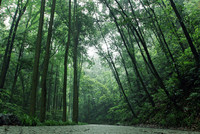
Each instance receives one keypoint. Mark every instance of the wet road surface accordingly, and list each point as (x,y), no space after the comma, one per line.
(88,129)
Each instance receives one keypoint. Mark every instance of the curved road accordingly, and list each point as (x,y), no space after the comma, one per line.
(88,129)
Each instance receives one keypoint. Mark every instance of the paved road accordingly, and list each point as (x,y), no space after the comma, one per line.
(87,129)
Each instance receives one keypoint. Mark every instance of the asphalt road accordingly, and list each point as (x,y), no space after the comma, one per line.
(88,129)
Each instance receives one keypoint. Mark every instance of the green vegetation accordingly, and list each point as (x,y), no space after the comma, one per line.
(102,61)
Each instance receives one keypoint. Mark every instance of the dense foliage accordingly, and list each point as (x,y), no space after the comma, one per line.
(101,61)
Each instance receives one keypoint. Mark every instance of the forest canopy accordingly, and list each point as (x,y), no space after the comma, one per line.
(101,61)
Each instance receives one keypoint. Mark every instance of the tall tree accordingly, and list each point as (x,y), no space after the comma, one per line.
(65,65)
(4,68)
(20,56)
(160,35)
(35,74)
(144,44)
(131,56)
(46,64)
(187,35)
(10,43)
(75,56)
(75,83)
(112,66)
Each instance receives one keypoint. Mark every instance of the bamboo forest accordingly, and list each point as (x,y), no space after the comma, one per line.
(106,62)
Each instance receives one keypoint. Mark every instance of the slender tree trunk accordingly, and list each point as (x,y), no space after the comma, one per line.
(173,28)
(70,96)
(65,67)
(55,93)
(50,89)
(141,38)
(36,61)
(187,35)
(156,30)
(23,90)
(8,54)
(80,66)
(160,81)
(5,59)
(77,28)
(46,64)
(116,75)
(160,32)
(155,73)
(75,94)
(132,58)
(125,68)
(123,61)
(88,109)
(18,68)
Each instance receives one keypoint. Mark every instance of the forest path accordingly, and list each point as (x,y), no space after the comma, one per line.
(88,129)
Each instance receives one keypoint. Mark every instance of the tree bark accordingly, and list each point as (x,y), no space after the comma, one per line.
(23,90)
(46,65)
(35,75)
(75,86)
(77,28)
(55,94)
(50,85)
(65,67)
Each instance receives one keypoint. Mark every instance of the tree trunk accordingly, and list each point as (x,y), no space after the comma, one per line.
(50,85)
(189,39)
(18,68)
(132,58)
(160,32)
(125,68)
(10,47)
(4,66)
(65,67)
(172,26)
(141,38)
(77,28)
(116,75)
(75,94)
(46,64)
(55,93)
(36,61)
(23,90)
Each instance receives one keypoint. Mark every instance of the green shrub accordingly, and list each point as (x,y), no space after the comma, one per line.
(135,121)
(29,121)
(50,123)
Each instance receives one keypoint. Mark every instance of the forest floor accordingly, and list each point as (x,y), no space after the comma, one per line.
(88,129)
